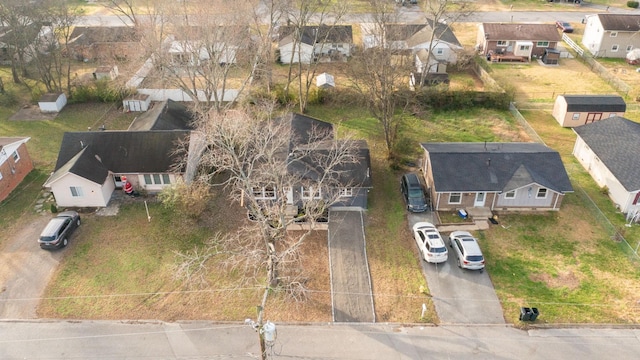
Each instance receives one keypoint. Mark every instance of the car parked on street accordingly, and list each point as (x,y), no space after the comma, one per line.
(468,253)
(57,232)
(413,193)
(430,243)
(564,26)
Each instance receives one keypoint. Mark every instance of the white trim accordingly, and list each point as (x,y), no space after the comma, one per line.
(451,194)
(546,193)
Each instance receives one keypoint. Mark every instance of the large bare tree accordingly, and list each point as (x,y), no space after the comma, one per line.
(282,175)
(380,71)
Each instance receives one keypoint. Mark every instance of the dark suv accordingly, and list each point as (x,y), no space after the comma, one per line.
(57,232)
(413,193)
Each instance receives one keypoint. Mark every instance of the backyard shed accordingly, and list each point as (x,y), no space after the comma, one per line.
(136,102)
(52,102)
(576,110)
(551,56)
(106,72)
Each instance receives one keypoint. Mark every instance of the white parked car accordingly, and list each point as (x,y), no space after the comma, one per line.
(467,250)
(430,243)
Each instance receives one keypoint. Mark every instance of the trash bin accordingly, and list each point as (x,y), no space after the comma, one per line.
(462,213)
(525,314)
(534,314)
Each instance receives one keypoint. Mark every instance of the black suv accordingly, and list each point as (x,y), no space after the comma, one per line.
(413,193)
(57,232)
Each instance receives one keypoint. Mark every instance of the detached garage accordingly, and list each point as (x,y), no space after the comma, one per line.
(52,102)
(576,110)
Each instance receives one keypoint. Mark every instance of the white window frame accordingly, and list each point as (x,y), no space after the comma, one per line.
(310,193)
(629,48)
(525,47)
(544,191)
(0,175)
(16,156)
(157,179)
(264,192)
(439,51)
(76,191)
(575,116)
(615,48)
(613,34)
(454,194)
(510,194)
(503,43)
(346,192)
(542,44)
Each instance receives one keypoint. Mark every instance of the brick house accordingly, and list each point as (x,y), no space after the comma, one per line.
(15,163)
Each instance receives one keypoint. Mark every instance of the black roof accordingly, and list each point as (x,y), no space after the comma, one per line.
(616,142)
(495,167)
(85,164)
(599,103)
(325,34)
(166,115)
(123,151)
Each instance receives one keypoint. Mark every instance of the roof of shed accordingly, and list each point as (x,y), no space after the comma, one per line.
(600,103)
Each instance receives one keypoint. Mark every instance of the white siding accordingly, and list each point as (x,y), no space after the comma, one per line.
(93,195)
(306,53)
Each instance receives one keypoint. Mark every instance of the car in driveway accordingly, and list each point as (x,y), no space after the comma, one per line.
(430,243)
(57,232)
(564,26)
(468,253)
(413,193)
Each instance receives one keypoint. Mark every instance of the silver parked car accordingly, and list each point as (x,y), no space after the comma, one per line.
(467,250)
(57,232)
(430,243)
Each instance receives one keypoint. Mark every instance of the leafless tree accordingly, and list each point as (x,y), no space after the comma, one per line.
(20,28)
(263,161)
(127,10)
(265,25)
(324,16)
(380,72)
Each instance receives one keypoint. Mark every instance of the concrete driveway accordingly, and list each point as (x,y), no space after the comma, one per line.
(460,296)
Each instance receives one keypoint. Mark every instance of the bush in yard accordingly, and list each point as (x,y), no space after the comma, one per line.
(633,4)
(189,199)
(8,98)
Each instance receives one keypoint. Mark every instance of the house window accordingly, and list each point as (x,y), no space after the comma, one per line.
(612,115)
(510,194)
(264,193)
(542,44)
(502,43)
(0,175)
(576,116)
(542,193)
(439,51)
(524,47)
(76,191)
(455,198)
(16,156)
(346,192)
(629,48)
(614,48)
(310,192)
(613,34)
(157,179)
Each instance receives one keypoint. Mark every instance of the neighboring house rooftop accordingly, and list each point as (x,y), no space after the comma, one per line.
(600,103)
(495,167)
(323,34)
(89,35)
(10,144)
(532,32)
(125,151)
(442,32)
(615,141)
(620,22)
(402,32)
(166,115)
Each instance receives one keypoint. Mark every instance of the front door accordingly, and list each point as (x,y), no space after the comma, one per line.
(479,202)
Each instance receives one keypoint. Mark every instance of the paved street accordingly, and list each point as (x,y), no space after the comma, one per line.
(199,340)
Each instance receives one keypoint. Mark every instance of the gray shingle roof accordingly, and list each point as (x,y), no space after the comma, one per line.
(326,34)
(620,22)
(442,32)
(125,151)
(167,115)
(600,103)
(89,35)
(532,32)
(85,164)
(616,142)
(495,167)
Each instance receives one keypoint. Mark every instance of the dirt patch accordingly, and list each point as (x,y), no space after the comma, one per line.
(566,279)
(32,113)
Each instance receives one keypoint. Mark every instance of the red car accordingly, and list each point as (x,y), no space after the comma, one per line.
(564,26)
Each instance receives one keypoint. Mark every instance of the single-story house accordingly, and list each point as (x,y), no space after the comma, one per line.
(315,43)
(15,163)
(104,43)
(195,45)
(611,35)
(25,41)
(509,41)
(497,176)
(91,164)
(52,102)
(608,151)
(576,110)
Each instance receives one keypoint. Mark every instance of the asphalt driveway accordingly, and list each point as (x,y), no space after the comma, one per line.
(460,296)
